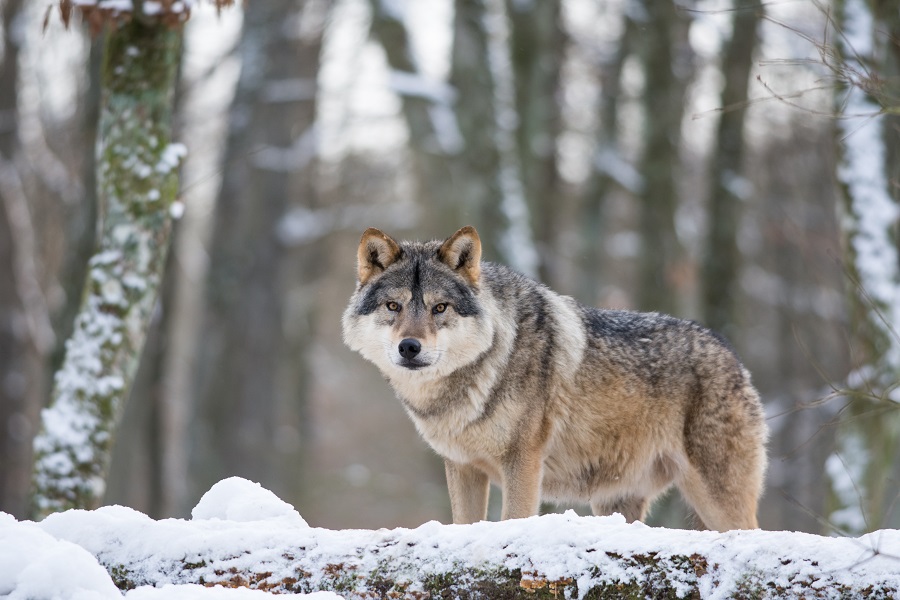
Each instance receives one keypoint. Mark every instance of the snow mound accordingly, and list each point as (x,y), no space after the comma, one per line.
(34,565)
(240,500)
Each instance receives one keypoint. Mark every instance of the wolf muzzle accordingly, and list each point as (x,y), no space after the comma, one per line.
(409,349)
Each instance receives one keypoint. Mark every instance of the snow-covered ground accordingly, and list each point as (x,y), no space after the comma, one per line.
(242,531)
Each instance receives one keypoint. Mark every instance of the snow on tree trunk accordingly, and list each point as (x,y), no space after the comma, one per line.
(859,469)
(137,180)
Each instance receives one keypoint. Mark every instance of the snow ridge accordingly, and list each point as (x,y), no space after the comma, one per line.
(244,536)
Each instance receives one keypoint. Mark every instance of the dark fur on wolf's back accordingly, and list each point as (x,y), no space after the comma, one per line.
(512,383)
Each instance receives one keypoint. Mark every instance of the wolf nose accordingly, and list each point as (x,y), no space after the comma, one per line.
(409,348)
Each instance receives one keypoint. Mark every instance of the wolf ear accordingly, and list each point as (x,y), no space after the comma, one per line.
(462,252)
(377,251)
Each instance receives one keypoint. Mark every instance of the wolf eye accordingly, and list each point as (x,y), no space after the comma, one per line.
(439,308)
(393,307)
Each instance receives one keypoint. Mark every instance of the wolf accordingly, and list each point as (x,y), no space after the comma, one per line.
(552,400)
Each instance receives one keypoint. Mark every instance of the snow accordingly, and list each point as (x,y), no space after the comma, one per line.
(176,210)
(36,565)
(171,157)
(150,7)
(193,591)
(240,527)
(236,499)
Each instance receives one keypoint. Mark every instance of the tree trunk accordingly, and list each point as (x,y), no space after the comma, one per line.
(666,73)
(429,112)
(252,366)
(17,356)
(137,179)
(721,263)
(490,183)
(609,169)
(861,468)
(537,45)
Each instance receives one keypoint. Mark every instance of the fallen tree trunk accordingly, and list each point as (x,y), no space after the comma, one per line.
(555,556)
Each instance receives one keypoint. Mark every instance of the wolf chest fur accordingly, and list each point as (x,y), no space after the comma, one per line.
(513,383)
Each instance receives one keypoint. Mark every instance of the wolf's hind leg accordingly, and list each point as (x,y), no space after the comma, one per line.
(724,442)
(468,489)
(724,477)
(630,507)
(720,507)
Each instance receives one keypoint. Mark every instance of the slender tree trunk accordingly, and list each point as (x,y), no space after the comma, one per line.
(429,112)
(860,470)
(479,190)
(537,45)
(16,355)
(245,383)
(608,169)
(137,182)
(490,183)
(721,263)
(666,74)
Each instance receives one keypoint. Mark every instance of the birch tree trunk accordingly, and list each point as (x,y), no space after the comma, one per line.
(863,484)
(137,181)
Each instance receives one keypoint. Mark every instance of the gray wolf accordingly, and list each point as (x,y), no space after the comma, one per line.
(513,383)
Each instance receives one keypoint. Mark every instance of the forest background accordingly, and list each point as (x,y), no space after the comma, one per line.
(734,163)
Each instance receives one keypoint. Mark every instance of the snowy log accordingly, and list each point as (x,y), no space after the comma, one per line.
(243,536)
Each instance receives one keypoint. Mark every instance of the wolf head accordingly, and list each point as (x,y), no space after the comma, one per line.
(417,310)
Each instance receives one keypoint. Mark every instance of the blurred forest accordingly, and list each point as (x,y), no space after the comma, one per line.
(653,155)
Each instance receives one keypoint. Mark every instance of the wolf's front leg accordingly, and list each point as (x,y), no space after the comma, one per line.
(522,486)
(468,489)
